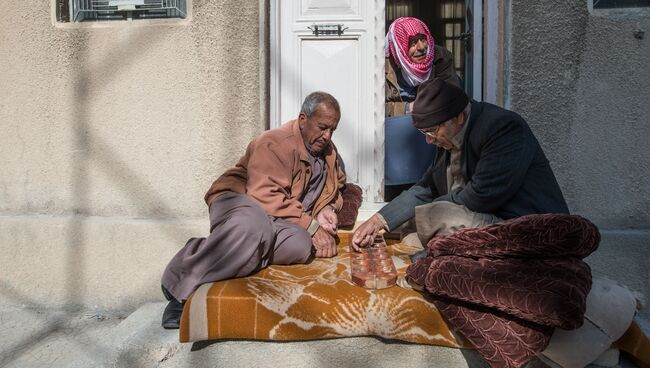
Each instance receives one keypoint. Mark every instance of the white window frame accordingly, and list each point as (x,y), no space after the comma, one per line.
(120,23)
(641,11)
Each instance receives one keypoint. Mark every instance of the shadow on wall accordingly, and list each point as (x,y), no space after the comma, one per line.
(90,148)
(83,141)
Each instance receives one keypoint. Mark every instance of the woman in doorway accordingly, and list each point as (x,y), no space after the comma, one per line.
(411,59)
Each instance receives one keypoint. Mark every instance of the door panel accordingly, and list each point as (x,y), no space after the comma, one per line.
(318,9)
(341,80)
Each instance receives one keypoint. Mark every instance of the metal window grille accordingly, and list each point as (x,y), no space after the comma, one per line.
(100,10)
(611,4)
(452,17)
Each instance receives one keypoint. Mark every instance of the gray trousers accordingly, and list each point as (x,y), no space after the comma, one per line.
(243,239)
(442,218)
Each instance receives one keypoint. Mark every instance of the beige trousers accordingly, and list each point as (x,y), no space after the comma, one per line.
(441,218)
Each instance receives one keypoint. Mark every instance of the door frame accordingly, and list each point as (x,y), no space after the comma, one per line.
(274,63)
(477,49)
(489,49)
(495,51)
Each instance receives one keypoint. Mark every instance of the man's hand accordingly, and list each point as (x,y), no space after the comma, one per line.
(365,234)
(328,219)
(324,243)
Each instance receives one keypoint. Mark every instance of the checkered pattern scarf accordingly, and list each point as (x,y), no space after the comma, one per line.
(397,46)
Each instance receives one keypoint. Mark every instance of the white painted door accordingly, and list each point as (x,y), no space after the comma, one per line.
(349,66)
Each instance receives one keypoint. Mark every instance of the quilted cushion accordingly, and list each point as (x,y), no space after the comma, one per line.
(314,301)
(546,235)
(507,285)
(352,197)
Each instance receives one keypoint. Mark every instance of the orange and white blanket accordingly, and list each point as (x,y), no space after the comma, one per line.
(314,301)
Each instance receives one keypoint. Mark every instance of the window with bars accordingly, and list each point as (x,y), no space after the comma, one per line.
(452,18)
(110,10)
(613,4)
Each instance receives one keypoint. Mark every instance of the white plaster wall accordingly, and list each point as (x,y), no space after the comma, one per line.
(124,121)
(612,122)
(109,137)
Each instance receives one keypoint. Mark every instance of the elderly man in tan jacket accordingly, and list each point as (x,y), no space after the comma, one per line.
(278,205)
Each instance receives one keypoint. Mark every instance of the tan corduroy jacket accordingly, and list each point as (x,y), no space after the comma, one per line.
(275,171)
(443,67)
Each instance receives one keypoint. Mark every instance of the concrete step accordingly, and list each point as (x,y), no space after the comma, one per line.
(623,256)
(140,341)
(146,344)
(51,338)
(54,338)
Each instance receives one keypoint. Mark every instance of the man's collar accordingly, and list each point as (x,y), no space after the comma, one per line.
(314,154)
(457,140)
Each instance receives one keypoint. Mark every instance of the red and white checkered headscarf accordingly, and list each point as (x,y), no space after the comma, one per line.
(397,45)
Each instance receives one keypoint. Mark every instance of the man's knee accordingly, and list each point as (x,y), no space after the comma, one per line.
(236,209)
(302,247)
(293,245)
(443,217)
(237,212)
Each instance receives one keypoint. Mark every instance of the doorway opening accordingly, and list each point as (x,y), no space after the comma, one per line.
(350,66)
(446,21)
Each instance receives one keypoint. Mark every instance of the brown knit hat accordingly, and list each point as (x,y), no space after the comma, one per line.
(437,101)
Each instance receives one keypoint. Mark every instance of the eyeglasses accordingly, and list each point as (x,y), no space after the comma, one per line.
(431,133)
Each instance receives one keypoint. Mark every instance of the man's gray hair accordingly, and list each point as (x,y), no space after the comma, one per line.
(316,98)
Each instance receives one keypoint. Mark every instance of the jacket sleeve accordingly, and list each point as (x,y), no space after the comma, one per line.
(444,67)
(270,177)
(395,108)
(402,208)
(506,153)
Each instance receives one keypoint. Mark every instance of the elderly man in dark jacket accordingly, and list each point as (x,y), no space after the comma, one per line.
(489,167)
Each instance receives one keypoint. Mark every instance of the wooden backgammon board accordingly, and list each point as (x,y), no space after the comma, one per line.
(373,267)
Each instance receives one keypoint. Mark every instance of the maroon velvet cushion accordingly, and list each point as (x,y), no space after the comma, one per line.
(507,285)
(550,292)
(352,197)
(502,340)
(546,235)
